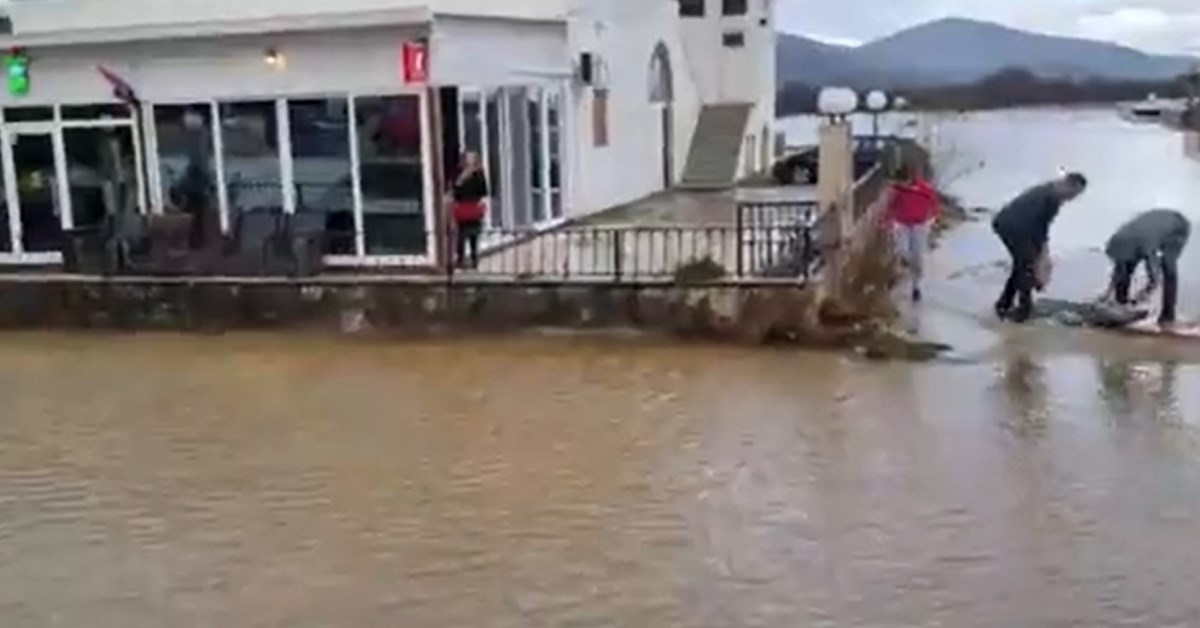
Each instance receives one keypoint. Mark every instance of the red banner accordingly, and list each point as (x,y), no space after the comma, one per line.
(414,61)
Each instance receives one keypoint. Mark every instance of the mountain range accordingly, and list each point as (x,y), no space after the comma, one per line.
(957,51)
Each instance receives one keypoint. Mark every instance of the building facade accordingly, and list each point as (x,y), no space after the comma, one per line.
(358,111)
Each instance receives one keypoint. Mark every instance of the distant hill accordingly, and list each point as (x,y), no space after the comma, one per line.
(957,51)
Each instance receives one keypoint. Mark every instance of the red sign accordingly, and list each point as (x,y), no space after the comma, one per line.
(414,60)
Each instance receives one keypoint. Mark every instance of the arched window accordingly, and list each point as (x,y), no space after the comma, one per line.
(662,89)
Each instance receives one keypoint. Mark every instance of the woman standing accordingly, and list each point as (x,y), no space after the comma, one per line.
(470,190)
(914,207)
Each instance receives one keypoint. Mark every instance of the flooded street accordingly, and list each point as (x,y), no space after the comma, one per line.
(288,482)
(1048,478)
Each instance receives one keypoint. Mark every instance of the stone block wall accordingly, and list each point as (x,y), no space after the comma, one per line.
(735,312)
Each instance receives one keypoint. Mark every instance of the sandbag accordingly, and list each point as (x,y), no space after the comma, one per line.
(1087,314)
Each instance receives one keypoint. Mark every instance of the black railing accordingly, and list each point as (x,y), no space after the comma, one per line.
(780,238)
(868,189)
(753,249)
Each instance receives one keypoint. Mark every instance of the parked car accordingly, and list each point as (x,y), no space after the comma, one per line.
(801,168)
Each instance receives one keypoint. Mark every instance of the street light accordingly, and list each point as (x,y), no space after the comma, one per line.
(877,101)
(837,102)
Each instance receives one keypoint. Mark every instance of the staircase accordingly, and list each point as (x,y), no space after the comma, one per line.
(713,157)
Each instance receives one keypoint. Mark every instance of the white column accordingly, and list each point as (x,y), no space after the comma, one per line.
(360,240)
(219,165)
(61,177)
(287,175)
(11,192)
(544,149)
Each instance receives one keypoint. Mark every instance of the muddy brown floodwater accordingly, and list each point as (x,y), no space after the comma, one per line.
(269,481)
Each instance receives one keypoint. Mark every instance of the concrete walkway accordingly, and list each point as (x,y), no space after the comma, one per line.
(688,207)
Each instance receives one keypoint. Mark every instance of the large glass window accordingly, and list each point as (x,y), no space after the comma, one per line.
(187,169)
(537,160)
(101,173)
(38,193)
(250,155)
(554,124)
(322,167)
(495,161)
(391,174)
(472,124)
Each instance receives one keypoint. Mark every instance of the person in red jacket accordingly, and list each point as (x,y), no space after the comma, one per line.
(914,207)
(469,192)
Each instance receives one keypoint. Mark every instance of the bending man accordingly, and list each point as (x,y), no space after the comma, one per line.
(1155,238)
(1024,227)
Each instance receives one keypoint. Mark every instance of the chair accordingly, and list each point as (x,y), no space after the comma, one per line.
(305,235)
(256,239)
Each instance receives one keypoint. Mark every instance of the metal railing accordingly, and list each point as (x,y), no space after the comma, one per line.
(771,242)
(868,188)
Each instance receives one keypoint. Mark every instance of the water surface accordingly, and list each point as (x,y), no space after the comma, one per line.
(265,481)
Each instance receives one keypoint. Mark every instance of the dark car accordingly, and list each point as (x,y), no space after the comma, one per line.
(801,168)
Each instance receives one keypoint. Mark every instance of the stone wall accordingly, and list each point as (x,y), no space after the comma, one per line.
(748,313)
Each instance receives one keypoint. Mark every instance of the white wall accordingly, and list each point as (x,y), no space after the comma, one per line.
(736,75)
(624,33)
(493,53)
(45,16)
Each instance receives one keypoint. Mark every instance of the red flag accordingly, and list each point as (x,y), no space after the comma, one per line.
(122,90)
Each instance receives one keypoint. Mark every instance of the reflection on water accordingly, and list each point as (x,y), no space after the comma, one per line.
(1146,390)
(1024,390)
(258,481)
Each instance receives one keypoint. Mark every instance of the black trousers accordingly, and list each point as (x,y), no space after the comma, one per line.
(1021,280)
(1123,280)
(467,242)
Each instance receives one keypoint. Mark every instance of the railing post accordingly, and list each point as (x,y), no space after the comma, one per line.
(451,254)
(618,249)
(739,225)
(806,259)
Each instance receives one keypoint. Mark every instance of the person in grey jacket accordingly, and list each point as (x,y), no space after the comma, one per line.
(1155,238)
(1023,225)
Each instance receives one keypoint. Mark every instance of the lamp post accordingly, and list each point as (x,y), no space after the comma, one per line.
(877,101)
(835,156)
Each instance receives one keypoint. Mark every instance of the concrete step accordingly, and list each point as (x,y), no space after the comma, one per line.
(716,145)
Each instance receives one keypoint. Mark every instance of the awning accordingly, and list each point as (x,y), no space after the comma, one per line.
(483,52)
(74,34)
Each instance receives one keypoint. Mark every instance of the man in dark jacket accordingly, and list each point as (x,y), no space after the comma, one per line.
(1024,227)
(1155,238)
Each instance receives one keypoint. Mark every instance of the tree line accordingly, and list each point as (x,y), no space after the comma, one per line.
(1012,87)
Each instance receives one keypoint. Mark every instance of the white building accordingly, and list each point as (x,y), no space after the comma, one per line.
(358,110)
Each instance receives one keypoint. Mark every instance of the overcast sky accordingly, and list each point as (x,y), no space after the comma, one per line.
(1155,25)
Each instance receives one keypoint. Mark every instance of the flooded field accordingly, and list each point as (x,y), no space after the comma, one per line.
(261,481)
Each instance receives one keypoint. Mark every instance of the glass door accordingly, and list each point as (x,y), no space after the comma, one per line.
(37,218)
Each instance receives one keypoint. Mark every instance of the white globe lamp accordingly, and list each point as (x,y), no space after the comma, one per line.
(837,102)
(877,101)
